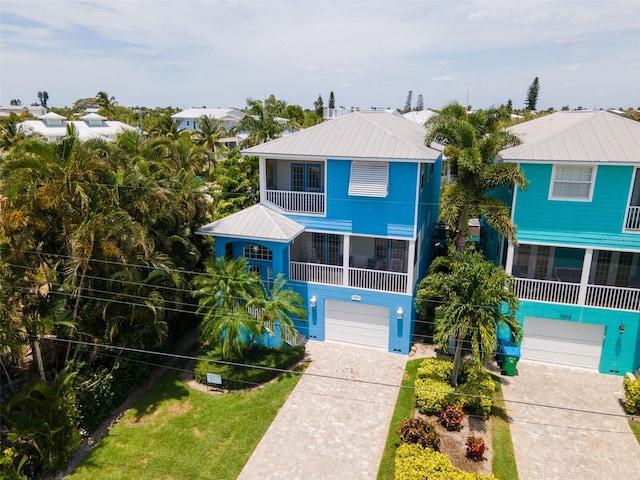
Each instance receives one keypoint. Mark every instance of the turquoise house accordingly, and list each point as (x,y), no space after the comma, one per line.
(577,260)
(347,212)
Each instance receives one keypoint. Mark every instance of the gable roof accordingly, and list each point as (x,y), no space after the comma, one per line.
(257,222)
(579,136)
(92,116)
(419,116)
(359,135)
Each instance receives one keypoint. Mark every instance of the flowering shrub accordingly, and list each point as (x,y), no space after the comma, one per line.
(418,430)
(451,418)
(475,447)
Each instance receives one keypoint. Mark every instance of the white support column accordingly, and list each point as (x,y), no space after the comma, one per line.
(346,248)
(410,268)
(262,169)
(508,267)
(584,278)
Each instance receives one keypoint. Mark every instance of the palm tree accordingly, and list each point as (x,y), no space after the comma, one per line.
(281,305)
(475,296)
(227,294)
(262,120)
(471,145)
(209,137)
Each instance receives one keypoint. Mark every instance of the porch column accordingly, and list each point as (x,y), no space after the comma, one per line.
(262,168)
(584,278)
(509,263)
(411,262)
(346,249)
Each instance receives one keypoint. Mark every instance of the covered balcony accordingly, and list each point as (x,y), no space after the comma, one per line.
(632,215)
(294,186)
(372,264)
(596,278)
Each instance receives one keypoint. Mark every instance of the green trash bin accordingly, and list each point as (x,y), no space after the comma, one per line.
(511,357)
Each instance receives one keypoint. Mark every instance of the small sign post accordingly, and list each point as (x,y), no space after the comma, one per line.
(213,379)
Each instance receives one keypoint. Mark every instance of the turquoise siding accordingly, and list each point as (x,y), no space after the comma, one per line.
(390,216)
(400,331)
(620,352)
(598,222)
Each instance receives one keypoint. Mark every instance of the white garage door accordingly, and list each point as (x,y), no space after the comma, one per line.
(567,343)
(357,323)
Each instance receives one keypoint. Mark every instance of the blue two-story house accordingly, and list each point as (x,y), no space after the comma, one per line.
(346,212)
(577,260)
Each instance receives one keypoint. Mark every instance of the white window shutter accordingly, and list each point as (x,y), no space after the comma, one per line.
(369,179)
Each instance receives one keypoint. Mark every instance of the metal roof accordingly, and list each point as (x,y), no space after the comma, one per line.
(216,113)
(359,135)
(106,130)
(257,222)
(579,136)
(419,116)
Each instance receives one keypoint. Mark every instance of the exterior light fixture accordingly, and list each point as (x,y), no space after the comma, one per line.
(313,301)
(621,328)
(399,313)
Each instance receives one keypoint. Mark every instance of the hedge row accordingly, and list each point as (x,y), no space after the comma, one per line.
(416,463)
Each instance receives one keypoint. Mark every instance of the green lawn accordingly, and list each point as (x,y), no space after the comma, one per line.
(504,463)
(404,408)
(635,426)
(177,432)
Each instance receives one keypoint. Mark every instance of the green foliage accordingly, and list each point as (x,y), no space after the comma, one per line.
(452,417)
(434,394)
(420,431)
(416,463)
(632,395)
(239,377)
(475,447)
(531,101)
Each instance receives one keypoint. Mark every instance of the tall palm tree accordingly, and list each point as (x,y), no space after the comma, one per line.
(209,137)
(475,296)
(227,294)
(471,145)
(281,305)
(263,120)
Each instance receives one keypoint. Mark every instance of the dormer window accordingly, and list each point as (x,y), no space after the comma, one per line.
(52,119)
(93,119)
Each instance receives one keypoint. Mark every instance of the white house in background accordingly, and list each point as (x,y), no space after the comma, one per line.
(53,127)
(189,119)
(35,110)
(419,116)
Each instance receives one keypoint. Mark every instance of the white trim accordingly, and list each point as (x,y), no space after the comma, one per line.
(285,156)
(369,179)
(346,247)
(417,202)
(554,171)
(508,267)
(262,171)
(354,234)
(584,279)
(580,247)
(410,267)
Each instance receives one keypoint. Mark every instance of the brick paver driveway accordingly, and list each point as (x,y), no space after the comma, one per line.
(330,428)
(569,442)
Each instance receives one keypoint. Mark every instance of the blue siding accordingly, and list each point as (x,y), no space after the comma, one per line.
(598,222)
(620,352)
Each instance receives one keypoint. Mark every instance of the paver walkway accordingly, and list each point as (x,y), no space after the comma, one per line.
(561,443)
(330,428)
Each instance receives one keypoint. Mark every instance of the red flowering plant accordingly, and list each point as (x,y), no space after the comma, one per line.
(451,418)
(475,447)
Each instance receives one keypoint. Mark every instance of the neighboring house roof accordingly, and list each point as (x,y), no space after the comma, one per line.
(360,135)
(216,113)
(105,130)
(257,222)
(419,116)
(52,116)
(92,116)
(576,136)
(34,110)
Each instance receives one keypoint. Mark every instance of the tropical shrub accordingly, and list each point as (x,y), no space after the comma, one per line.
(632,395)
(475,447)
(438,368)
(414,462)
(238,377)
(420,431)
(432,395)
(451,418)
(478,390)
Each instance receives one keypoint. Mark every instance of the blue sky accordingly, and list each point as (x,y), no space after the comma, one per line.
(217,53)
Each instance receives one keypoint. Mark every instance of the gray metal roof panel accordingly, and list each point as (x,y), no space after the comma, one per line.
(591,136)
(360,135)
(255,222)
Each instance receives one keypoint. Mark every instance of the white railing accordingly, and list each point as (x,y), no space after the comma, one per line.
(620,298)
(297,202)
(316,273)
(288,337)
(378,280)
(547,291)
(632,220)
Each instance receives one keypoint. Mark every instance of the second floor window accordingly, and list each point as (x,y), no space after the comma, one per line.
(572,183)
(258,252)
(306,177)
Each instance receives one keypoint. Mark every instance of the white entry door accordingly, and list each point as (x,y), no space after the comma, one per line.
(566,343)
(357,323)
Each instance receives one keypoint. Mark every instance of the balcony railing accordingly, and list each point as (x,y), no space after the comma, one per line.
(297,202)
(358,277)
(603,296)
(547,291)
(621,298)
(632,220)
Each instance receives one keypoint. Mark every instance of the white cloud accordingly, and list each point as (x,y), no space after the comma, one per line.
(443,78)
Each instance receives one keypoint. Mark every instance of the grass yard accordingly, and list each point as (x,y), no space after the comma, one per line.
(405,405)
(635,426)
(177,432)
(504,460)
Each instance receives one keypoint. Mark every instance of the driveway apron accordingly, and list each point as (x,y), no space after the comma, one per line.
(584,434)
(334,424)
